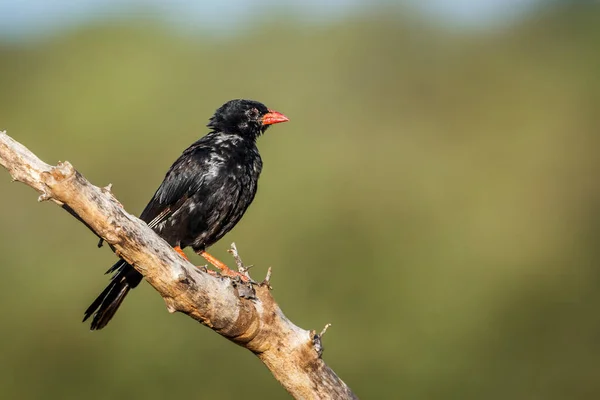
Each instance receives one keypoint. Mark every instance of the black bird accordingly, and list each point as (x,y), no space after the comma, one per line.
(203,196)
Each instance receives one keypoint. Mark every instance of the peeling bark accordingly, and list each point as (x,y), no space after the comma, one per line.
(244,313)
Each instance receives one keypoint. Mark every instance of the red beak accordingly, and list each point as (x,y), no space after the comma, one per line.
(274,117)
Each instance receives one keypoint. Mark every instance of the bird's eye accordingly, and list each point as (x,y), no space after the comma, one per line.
(253,113)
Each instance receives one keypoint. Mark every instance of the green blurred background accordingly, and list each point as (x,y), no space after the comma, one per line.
(434,196)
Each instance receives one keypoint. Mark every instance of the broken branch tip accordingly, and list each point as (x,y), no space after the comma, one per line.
(324,330)
(44,197)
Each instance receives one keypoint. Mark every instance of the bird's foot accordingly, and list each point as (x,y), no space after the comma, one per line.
(234,274)
(208,271)
(223,269)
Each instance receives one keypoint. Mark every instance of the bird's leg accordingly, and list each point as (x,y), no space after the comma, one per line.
(203,267)
(225,270)
(181,253)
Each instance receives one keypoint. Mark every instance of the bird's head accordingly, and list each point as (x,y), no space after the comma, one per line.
(247,118)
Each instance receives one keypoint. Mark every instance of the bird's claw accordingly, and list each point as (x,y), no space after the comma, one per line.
(204,268)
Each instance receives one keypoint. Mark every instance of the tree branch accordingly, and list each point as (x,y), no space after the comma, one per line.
(244,313)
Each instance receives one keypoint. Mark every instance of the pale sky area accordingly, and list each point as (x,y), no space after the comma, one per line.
(31,17)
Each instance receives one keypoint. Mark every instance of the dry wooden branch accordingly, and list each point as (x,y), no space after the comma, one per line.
(243,313)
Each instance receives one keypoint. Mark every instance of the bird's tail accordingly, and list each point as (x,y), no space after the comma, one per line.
(106,305)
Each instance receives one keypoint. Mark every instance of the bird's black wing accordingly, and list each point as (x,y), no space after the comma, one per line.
(185,177)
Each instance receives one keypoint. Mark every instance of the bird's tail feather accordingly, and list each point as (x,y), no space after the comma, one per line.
(107,303)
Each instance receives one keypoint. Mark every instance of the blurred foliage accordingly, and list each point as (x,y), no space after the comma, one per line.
(435,197)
